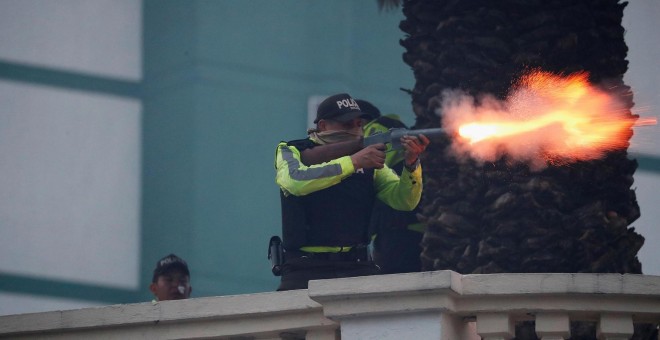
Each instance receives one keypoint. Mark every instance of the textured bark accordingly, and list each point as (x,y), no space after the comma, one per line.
(502,217)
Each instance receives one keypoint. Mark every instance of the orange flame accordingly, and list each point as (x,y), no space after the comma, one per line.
(546,118)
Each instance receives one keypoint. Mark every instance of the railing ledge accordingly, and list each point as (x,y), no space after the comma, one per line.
(443,303)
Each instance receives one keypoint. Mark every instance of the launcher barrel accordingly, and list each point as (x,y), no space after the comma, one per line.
(393,136)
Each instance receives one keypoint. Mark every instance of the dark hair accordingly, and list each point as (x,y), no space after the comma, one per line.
(368,108)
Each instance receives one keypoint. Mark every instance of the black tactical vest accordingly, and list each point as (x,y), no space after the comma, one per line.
(335,216)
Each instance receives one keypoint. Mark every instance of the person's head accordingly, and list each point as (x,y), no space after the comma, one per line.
(340,112)
(368,108)
(171,279)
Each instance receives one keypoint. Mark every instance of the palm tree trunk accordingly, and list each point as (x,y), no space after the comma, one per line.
(503,217)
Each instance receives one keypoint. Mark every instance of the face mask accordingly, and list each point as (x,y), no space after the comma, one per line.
(329,137)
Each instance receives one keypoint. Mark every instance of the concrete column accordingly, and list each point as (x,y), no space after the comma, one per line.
(392,327)
(615,327)
(398,306)
(495,326)
(553,326)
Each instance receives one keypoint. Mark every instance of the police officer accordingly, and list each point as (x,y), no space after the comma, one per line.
(326,207)
(396,234)
(171,279)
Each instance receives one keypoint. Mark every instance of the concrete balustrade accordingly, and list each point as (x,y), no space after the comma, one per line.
(430,305)
(552,326)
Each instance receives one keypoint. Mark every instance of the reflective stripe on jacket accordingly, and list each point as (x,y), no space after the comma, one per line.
(295,178)
(330,204)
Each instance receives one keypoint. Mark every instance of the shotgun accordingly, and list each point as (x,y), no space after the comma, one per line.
(393,136)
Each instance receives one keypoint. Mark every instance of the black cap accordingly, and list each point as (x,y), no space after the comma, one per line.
(168,263)
(340,107)
(368,108)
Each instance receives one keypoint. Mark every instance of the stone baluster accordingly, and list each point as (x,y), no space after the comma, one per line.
(550,326)
(495,326)
(615,327)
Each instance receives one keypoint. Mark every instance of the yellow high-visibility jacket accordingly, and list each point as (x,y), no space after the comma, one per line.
(294,178)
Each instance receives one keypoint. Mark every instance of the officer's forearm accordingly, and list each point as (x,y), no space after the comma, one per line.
(325,153)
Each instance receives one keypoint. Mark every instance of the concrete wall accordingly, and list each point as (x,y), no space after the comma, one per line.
(70,117)
(431,305)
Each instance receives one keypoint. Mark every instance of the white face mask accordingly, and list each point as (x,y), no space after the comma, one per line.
(181,289)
